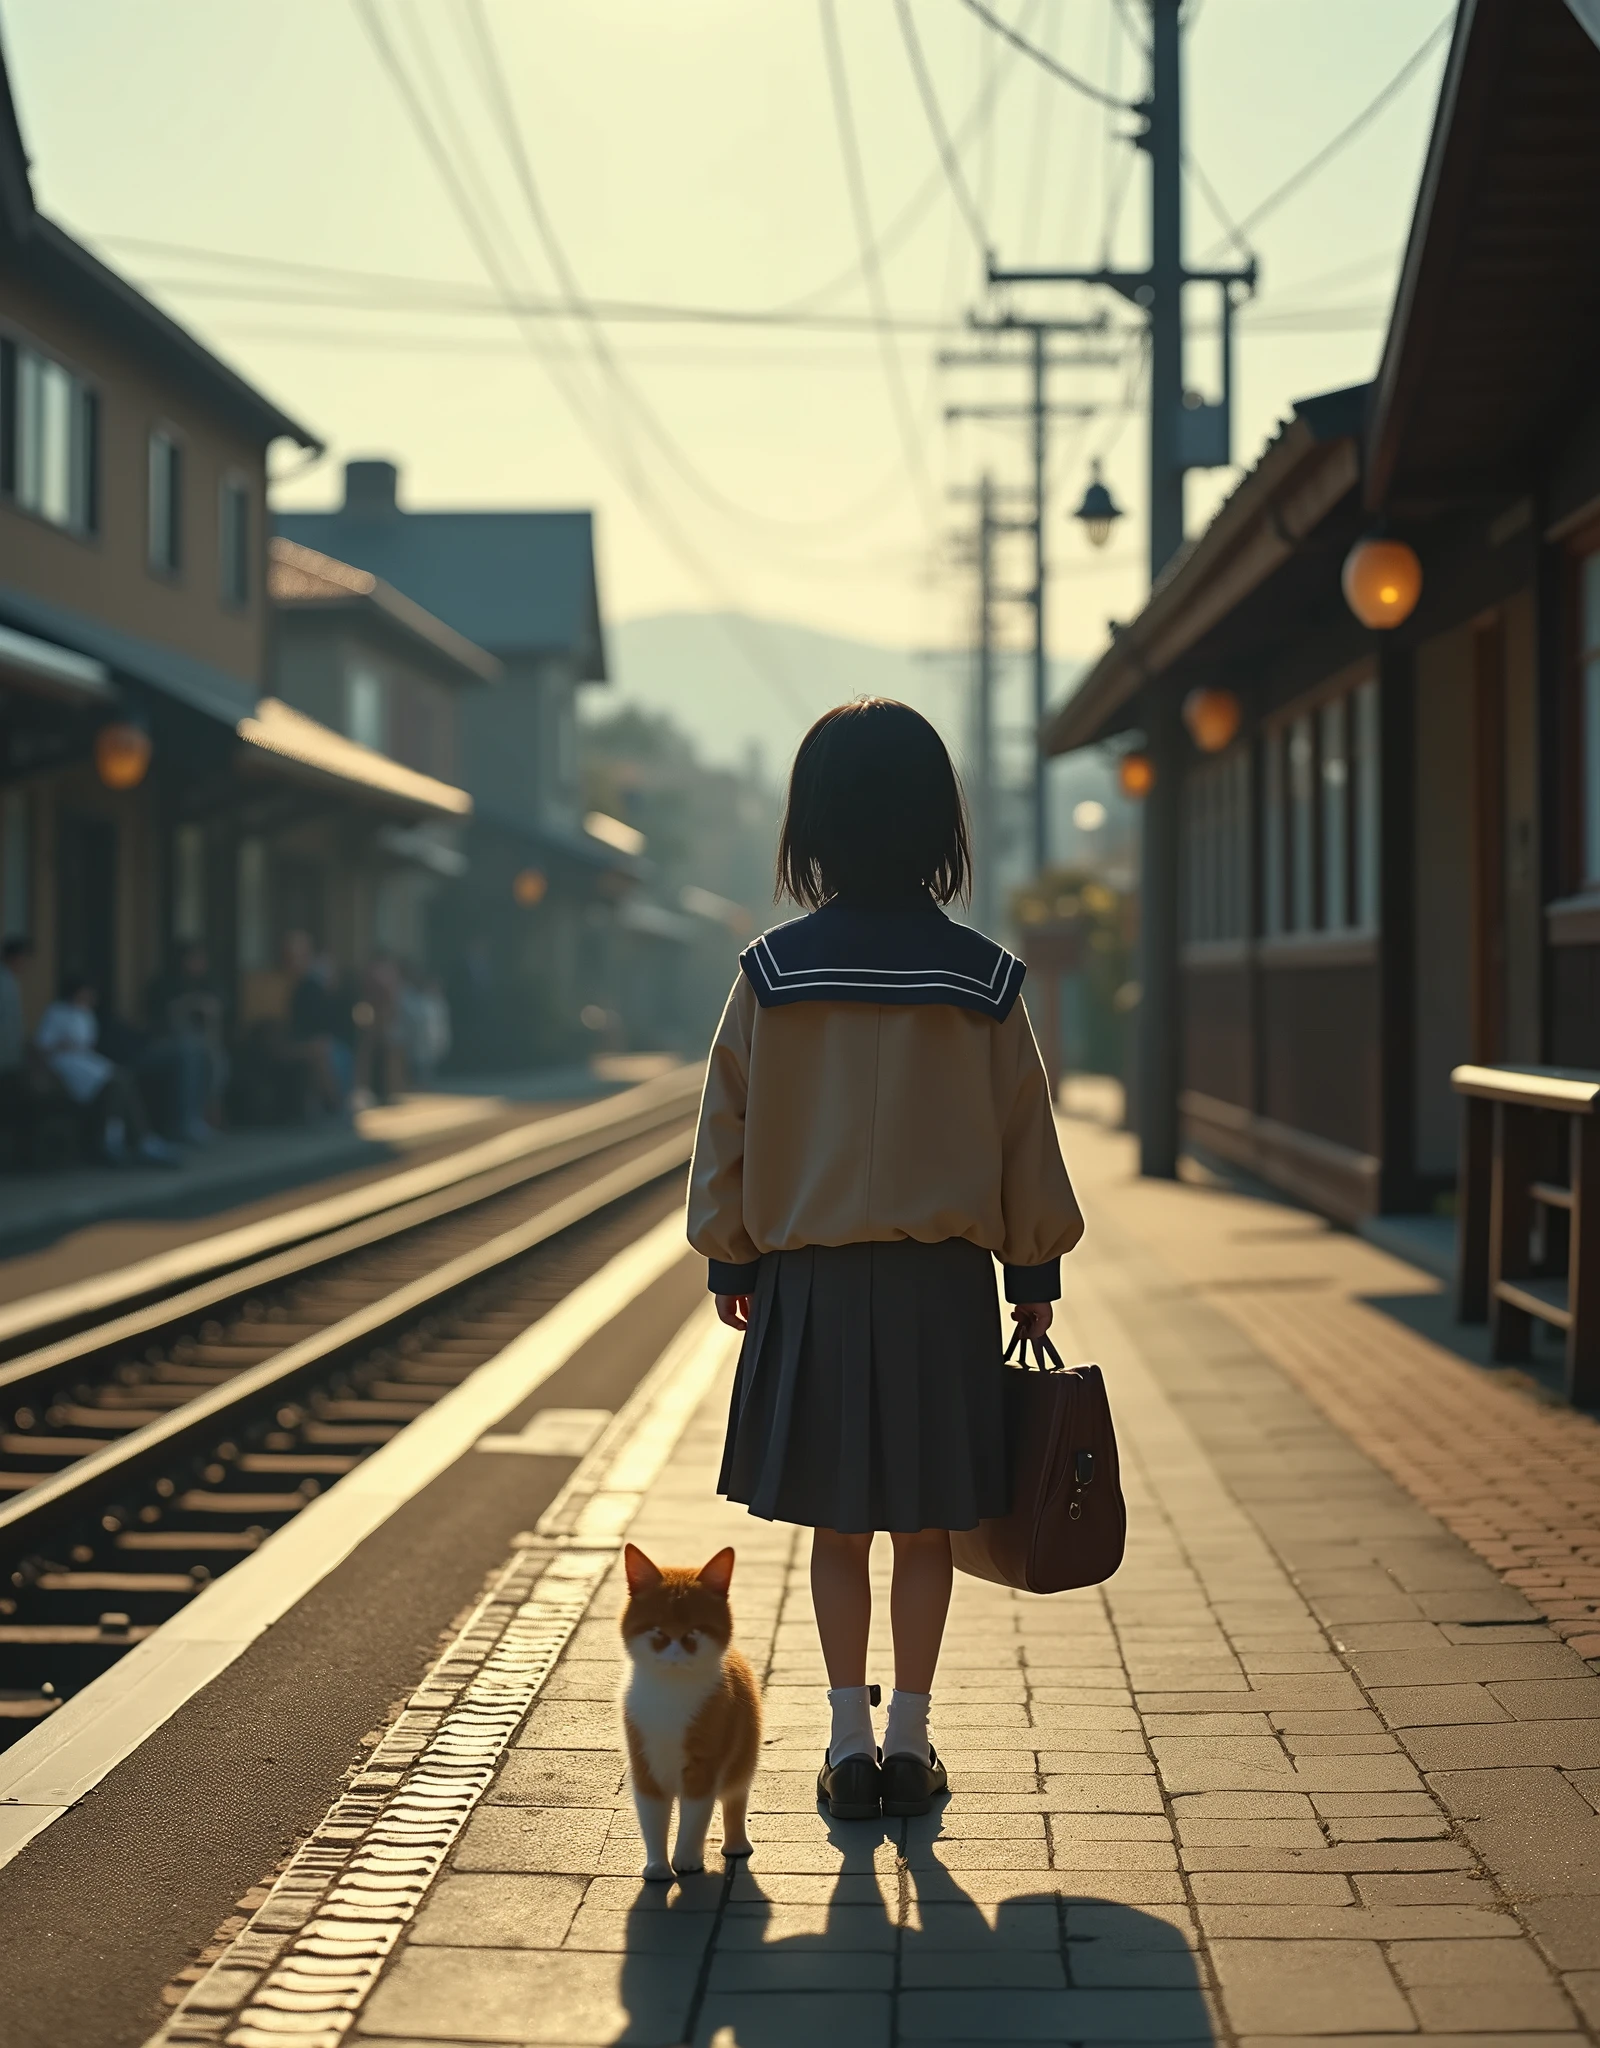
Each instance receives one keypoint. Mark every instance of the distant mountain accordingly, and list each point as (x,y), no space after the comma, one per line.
(736,684)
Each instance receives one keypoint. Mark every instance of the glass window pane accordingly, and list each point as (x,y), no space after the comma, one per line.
(16,870)
(1272,846)
(364,720)
(1591,768)
(29,430)
(1364,770)
(1591,718)
(1335,841)
(55,444)
(1302,907)
(254,938)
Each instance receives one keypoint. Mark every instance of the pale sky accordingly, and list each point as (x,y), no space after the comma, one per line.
(690,156)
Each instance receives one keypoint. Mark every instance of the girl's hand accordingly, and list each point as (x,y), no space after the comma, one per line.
(734,1309)
(1032,1318)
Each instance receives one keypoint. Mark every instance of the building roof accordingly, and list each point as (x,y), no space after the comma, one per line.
(1496,326)
(1311,465)
(285,739)
(204,688)
(67,269)
(517,583)
(300,580)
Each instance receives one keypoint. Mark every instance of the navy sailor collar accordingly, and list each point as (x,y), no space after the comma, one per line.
(852,954)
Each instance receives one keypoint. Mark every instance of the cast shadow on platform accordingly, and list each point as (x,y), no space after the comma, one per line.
(1042,1966)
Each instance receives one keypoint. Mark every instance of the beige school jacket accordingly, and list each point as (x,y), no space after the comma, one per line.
(828,1123)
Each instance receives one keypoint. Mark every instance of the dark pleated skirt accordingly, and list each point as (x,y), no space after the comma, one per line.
(869,1390)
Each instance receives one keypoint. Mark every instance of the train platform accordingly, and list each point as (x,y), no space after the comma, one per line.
(140,1208)
(1321,1762)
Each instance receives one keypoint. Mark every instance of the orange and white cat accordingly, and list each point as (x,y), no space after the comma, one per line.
(690,1709)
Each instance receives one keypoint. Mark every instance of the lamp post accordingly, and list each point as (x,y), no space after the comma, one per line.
(1099,510)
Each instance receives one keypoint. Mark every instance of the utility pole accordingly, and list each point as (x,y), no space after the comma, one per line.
(983,748)
(1038,411)
(1184,435)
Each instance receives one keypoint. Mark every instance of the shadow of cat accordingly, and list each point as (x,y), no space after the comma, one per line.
(1043,1966)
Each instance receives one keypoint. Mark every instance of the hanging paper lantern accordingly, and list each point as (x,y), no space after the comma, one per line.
(1382,582)
(121,755)
(1212,717)
(528,887)
(1136,775)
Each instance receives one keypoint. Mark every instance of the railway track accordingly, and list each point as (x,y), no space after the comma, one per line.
(181,1411)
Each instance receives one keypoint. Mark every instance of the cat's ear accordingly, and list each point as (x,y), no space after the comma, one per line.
(718,1574)
(641,1572)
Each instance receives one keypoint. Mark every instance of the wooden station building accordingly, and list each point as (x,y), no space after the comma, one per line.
(1394,867)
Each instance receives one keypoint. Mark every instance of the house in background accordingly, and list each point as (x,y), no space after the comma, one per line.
(133,611)
(152,793)
(539,946)
(1395,866)
(366,662)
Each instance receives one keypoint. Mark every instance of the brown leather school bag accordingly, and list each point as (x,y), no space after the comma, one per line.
(1067,1524)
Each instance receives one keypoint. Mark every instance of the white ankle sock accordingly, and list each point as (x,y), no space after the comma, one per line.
(852,1723)
(907,1732)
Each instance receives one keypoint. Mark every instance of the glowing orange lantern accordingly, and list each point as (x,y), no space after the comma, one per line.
(121,755)
(1382,582)
(1212,717)
(1136,775)
(528,887)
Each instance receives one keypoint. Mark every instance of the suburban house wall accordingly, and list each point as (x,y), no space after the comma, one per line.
(107,574)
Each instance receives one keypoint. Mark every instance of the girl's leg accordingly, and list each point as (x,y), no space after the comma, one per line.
(841,1594)
(918,1602)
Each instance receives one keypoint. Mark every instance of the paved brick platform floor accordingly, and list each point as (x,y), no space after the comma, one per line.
(1316,1763)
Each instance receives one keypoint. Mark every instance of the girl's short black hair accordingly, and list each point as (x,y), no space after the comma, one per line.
(875,810)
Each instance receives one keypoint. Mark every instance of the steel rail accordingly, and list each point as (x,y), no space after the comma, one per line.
(95,1478)
(54,1312)
(462,1188)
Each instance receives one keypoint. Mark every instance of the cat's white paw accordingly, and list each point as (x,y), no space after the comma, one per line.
(690,1869)
(658,1873)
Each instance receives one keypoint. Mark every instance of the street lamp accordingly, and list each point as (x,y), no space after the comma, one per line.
(1136,775)
(1382,581)
(121,754)
(1099,510)
(1212,717)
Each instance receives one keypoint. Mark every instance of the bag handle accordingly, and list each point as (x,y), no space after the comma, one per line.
(1046,1358)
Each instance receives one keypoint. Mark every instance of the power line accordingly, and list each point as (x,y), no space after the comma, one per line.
(948,159)
(974,122)
(871,270)
(1232,232)
(1057,70)
(633,482)
(491,72)
(1348,133)
(387,290)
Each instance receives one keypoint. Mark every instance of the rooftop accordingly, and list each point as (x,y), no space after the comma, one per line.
(516,583)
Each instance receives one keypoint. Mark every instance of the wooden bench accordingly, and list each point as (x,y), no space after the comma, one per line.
(1528,1232)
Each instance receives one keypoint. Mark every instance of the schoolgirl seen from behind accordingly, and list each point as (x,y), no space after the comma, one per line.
(876,1132)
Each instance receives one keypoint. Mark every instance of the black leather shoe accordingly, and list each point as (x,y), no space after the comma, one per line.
(852,1788)
(910,1784)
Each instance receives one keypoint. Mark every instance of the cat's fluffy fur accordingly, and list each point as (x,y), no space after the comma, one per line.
(690,1709)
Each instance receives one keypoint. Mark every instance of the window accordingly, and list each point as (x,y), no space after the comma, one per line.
(364,709)
(166,504)
(255,949)
(233,540)
(1217,849)
(16,865)
(189,883)
(1320,829)
(1589,628)
(49,439)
